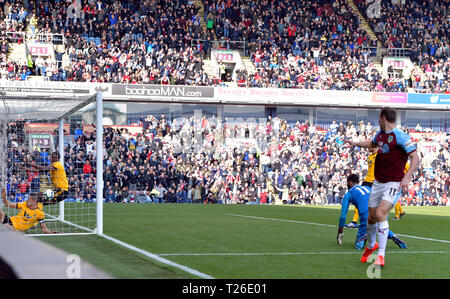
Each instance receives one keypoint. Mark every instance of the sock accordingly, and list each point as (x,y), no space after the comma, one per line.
(397,210)
(355,215)
(383,230)
(390,234)
(371,234)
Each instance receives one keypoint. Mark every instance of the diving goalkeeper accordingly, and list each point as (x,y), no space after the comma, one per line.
(30,214)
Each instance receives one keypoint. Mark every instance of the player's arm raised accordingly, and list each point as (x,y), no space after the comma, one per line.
(7,202)
(364,143)
(41,168)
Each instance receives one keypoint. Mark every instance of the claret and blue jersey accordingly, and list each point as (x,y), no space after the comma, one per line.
(393,150)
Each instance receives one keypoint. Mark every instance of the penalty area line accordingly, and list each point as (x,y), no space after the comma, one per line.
(281,220)
(327,225)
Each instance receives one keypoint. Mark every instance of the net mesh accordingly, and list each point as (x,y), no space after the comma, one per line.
(49,189)
(3,144)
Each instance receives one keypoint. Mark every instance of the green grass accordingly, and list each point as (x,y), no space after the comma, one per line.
(291,249)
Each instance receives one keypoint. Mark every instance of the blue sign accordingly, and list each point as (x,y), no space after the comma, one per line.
(429,98)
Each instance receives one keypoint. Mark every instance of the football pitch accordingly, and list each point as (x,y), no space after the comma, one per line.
(256,242)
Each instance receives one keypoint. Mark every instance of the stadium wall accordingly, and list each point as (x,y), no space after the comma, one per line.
(314,105)
(231,95)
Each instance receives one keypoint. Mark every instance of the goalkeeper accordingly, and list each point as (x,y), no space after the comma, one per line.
(57,175)
(30,214)
(359,196)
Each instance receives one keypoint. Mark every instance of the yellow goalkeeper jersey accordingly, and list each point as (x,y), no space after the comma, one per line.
(370,176)
(58,176)
(406,166)
(27,218)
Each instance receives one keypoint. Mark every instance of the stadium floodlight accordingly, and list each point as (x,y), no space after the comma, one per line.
(32,130)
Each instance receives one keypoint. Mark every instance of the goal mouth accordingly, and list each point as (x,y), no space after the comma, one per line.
(32,130)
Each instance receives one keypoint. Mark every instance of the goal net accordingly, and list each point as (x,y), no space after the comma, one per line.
(49,169)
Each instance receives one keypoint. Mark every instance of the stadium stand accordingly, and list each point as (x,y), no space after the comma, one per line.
(160,165)
(420,27)
(307,44)
(291,44)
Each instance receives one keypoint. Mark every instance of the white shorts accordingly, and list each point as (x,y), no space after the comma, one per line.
(390,192)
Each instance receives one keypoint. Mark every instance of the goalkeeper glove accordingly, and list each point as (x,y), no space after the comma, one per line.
(340,235)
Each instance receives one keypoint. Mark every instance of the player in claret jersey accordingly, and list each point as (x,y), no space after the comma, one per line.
(394,149)
(358,195)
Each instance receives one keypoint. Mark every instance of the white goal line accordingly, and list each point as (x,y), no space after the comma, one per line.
(328,225)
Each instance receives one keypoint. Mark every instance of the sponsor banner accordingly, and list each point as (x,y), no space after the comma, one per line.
(261,96)
(292,96)
(165,91)
(430,99)
(38,49)
(53,87)
(41,128)
(389,98)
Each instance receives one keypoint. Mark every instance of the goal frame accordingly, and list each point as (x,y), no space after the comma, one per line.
(96,98)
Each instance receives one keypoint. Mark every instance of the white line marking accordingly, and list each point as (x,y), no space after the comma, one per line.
(294,253)
(282,220)
(158,258)
(421,238)
(328,225)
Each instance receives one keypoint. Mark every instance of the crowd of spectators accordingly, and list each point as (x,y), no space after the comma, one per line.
(312,44)
(304,44)
(12,18)
(193,161)
(293,44)
(422,27)
(149,41)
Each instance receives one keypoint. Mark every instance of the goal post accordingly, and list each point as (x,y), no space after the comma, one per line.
(99,161)
(37,132)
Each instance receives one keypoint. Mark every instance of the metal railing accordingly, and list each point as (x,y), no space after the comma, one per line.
(53,38)
(392,52)
(15,36)
(240,45)
(21,36)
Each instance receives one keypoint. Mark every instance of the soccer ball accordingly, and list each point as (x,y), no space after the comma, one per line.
(48,194)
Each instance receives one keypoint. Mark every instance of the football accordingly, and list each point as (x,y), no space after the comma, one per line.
(48,194)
